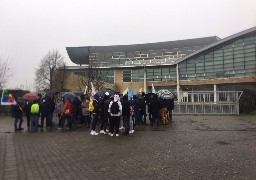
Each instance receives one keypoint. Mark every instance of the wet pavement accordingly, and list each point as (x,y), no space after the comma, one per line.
(190,147)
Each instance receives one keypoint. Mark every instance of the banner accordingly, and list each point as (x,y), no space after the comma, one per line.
(7,99)
(85,91)
(153,89)
(131,93)
(126,91)
(93,90)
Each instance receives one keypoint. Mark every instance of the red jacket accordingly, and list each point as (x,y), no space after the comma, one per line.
(68,105)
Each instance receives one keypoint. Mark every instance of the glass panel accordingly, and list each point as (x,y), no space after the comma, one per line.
(238,48)
(239,52)
(249,50)
(228,57)
(250,54)
(250,58)
(236,67)
(228,61)
(238,56)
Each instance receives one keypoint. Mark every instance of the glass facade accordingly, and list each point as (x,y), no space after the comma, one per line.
(152,74)
(233,59)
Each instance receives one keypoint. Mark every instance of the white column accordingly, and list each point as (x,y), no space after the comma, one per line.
(145,79)
(178,82)
(215,93)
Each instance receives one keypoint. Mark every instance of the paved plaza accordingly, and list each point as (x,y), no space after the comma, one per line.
(190,147)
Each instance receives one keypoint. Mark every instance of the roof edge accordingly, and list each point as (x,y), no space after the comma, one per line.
(218,43)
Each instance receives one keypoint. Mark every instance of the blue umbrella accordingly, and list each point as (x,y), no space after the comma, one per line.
(70,96)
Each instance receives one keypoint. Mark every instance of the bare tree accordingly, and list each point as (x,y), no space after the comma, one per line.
(5,71)
(59,78)
(91,74)
(48,67)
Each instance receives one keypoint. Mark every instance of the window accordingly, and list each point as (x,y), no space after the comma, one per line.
(127,76)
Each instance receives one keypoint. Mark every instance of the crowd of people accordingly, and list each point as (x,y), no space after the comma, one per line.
(95,113)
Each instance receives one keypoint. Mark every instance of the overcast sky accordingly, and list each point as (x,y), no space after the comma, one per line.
(31,28)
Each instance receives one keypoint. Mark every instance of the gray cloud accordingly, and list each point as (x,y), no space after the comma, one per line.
(29,28)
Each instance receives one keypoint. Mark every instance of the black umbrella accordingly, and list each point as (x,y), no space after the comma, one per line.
(70,96)
(104,90)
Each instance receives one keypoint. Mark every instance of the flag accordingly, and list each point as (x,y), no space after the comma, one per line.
(93,90)
(7,98)
(131,93)
(85,90)
(126,91)
(153,89)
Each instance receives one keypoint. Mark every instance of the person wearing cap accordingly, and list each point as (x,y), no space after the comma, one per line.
(105,114)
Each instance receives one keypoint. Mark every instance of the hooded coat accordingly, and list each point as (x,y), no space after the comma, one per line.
(116,99)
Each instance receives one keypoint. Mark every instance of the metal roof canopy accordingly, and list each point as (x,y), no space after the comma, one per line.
(80,55)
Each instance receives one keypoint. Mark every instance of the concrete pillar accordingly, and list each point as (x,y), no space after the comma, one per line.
(145,79)
(178,83)
(115,77)
(215,93)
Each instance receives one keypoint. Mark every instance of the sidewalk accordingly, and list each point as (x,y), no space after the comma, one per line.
(190,147)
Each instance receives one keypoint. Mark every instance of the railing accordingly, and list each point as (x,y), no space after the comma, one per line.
(208,102)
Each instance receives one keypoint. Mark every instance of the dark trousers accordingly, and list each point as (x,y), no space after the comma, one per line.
(114,124)
(50,119)
(95,119)
(126,123)
(20,120)
(170,115)
(28,120)
(104,122)
(68,121)
(86,119)
(156,118)
(143,116)
(137,118)
(47,117)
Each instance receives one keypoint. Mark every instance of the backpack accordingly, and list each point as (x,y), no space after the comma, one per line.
(114,108)
(91,106)
(34,109)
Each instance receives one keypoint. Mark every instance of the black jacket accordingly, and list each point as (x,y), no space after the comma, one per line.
(45,108)
(16,112)
(126,108)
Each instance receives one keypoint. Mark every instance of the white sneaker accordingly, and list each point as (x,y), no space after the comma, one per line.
(131,131)
(107,130)
(92,133)
(111,135)
(102,132)
(117,135)
(121,127)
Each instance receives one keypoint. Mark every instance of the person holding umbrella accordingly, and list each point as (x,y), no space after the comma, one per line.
(66,113)
(16,112)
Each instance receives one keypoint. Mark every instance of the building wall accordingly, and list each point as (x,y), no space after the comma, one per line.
(231,62)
